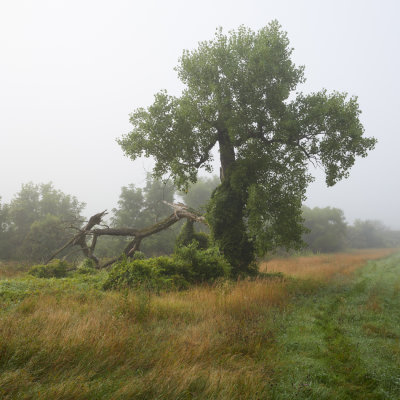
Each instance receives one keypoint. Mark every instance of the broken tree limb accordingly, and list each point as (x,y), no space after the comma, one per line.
(80,238)
(182,209)
(89,230)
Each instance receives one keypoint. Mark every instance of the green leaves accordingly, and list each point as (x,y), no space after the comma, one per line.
(328,130)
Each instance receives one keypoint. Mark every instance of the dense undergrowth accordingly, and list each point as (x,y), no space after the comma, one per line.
(332,335)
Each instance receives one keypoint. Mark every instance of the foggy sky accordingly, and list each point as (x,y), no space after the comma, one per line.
(72,71)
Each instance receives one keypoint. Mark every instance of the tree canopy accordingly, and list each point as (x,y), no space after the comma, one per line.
(240,95)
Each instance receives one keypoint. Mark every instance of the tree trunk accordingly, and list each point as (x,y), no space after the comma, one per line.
(226,211)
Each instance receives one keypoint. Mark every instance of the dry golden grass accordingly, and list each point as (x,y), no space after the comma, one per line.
(324,266)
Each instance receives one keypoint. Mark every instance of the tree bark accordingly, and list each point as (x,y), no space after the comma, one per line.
(226,153)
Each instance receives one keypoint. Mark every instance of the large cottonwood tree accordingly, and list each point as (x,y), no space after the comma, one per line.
(239,95)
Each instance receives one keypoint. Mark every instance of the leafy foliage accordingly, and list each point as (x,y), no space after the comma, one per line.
(239,94)
(229,231)
(197,197)
(4,236)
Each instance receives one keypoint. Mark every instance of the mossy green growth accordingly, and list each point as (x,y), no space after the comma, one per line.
(188,234)
(55,269)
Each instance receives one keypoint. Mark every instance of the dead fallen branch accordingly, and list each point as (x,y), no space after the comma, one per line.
(86,237)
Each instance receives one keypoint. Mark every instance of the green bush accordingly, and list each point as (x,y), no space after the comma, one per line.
(159,273)
(187,266)
(55,269)
(206,265)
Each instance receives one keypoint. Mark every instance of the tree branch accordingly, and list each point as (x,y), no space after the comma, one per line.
(203,158)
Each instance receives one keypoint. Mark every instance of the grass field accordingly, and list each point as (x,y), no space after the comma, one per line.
(328,329)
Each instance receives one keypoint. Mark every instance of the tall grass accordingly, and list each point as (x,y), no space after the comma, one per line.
(207,342)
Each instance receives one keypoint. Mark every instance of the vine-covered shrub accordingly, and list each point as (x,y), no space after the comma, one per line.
(206,265)
(187,266)
(55,269)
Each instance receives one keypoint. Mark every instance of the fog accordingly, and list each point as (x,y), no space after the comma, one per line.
(72,71)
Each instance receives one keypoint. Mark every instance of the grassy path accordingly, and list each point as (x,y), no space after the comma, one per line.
(343,341)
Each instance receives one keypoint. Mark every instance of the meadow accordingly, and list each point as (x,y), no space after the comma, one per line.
(316,327)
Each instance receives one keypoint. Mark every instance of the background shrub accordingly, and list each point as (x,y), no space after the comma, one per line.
(55,269)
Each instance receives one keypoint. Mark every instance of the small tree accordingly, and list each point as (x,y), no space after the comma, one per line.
(239,96)
(37,221)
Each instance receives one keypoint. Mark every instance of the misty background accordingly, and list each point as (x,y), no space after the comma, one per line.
(72,71)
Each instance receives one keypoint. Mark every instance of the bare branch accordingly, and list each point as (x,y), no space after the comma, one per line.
(80,238)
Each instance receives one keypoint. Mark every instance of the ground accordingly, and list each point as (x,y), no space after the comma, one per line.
(329,328)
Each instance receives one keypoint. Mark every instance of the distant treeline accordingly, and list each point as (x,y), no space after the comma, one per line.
(40,219)
(329,232)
